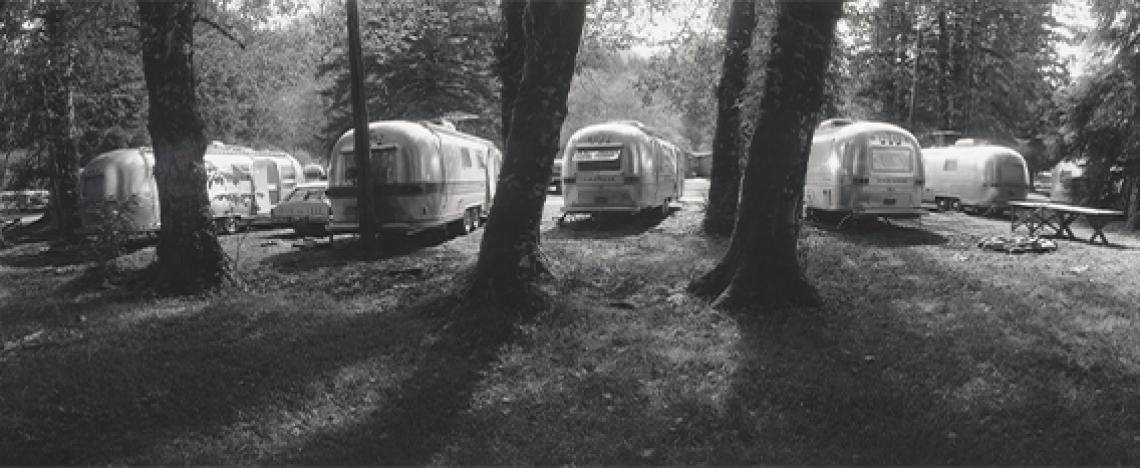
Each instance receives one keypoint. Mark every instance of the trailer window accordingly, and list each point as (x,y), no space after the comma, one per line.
(1011,173)
(892,159)
(597,154)
(287,171)
(465,155)
(950,165)
(382,162)
(598,159)
(348,166)
(92,188)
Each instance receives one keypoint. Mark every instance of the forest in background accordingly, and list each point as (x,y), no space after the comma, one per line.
(273,73)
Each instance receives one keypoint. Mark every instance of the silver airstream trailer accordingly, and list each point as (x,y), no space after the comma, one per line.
(424,176)
(863,169)
(282,174)
(119,182)
(974,176)
(1068,185)
(620,167)
(239,182)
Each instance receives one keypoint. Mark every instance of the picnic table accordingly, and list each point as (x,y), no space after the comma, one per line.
(1037,215)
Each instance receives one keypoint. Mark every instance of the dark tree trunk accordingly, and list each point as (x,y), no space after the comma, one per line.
(509,258)
(189,256)
(914,74)
(510,58)
(943,57)
(1131,194)
(724,179)
(761,267)
(60,100)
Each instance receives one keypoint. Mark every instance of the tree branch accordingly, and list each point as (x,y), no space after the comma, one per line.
(219,28)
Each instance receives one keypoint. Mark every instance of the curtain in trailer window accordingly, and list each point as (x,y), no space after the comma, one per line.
(891,159)
(347,167)
(385,165)
(595,158)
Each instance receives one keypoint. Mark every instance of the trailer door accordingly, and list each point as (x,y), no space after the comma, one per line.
(260,186)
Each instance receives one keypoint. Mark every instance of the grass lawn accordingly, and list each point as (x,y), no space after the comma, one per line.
(927,351)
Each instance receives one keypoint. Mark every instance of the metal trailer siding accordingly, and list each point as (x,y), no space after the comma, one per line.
(424,175)
(842,154)
(234,185)
(1068,182)
(973,175)
(124,177)
(640,181)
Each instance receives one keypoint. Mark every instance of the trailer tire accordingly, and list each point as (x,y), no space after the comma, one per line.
(228,225)
(470,221)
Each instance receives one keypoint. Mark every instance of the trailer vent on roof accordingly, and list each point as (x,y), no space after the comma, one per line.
(831,124)
(969,142)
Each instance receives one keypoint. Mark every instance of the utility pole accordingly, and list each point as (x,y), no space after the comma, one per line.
(366,219)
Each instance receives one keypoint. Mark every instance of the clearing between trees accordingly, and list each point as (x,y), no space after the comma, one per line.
(927,350)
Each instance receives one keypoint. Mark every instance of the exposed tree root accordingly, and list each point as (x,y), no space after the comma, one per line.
(789,292)
(488,308)
(713,283)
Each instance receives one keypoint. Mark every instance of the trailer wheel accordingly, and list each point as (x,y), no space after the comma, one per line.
(470,221)
(227,225)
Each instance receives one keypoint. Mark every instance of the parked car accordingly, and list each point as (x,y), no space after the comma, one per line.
(556,176)
(307,209)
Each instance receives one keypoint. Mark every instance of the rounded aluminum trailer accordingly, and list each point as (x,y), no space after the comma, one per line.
(864,169)
(620,167)
(424,176)
(1069,184)
(238,180)
(981,177)
(119,183)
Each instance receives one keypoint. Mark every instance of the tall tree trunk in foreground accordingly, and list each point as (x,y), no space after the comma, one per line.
(509,258)
(60,100)
(724,181)
(510,58)
(761,267)
(189,256)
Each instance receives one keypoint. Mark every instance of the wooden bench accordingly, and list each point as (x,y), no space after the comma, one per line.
(1036,216)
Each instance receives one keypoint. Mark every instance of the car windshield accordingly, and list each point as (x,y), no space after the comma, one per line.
(302,194)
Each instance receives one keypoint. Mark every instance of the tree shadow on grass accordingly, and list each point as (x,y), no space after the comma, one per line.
(607,225)
(886,387)
(416,421)
(45,255)
(877,233)
(346,251)
(193,367)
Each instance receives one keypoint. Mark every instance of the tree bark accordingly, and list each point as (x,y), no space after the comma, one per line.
(64,162)
(724,179)
(190,259)
(761,268)
(914,75)
(509,257)
(510,58)
(945,107)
